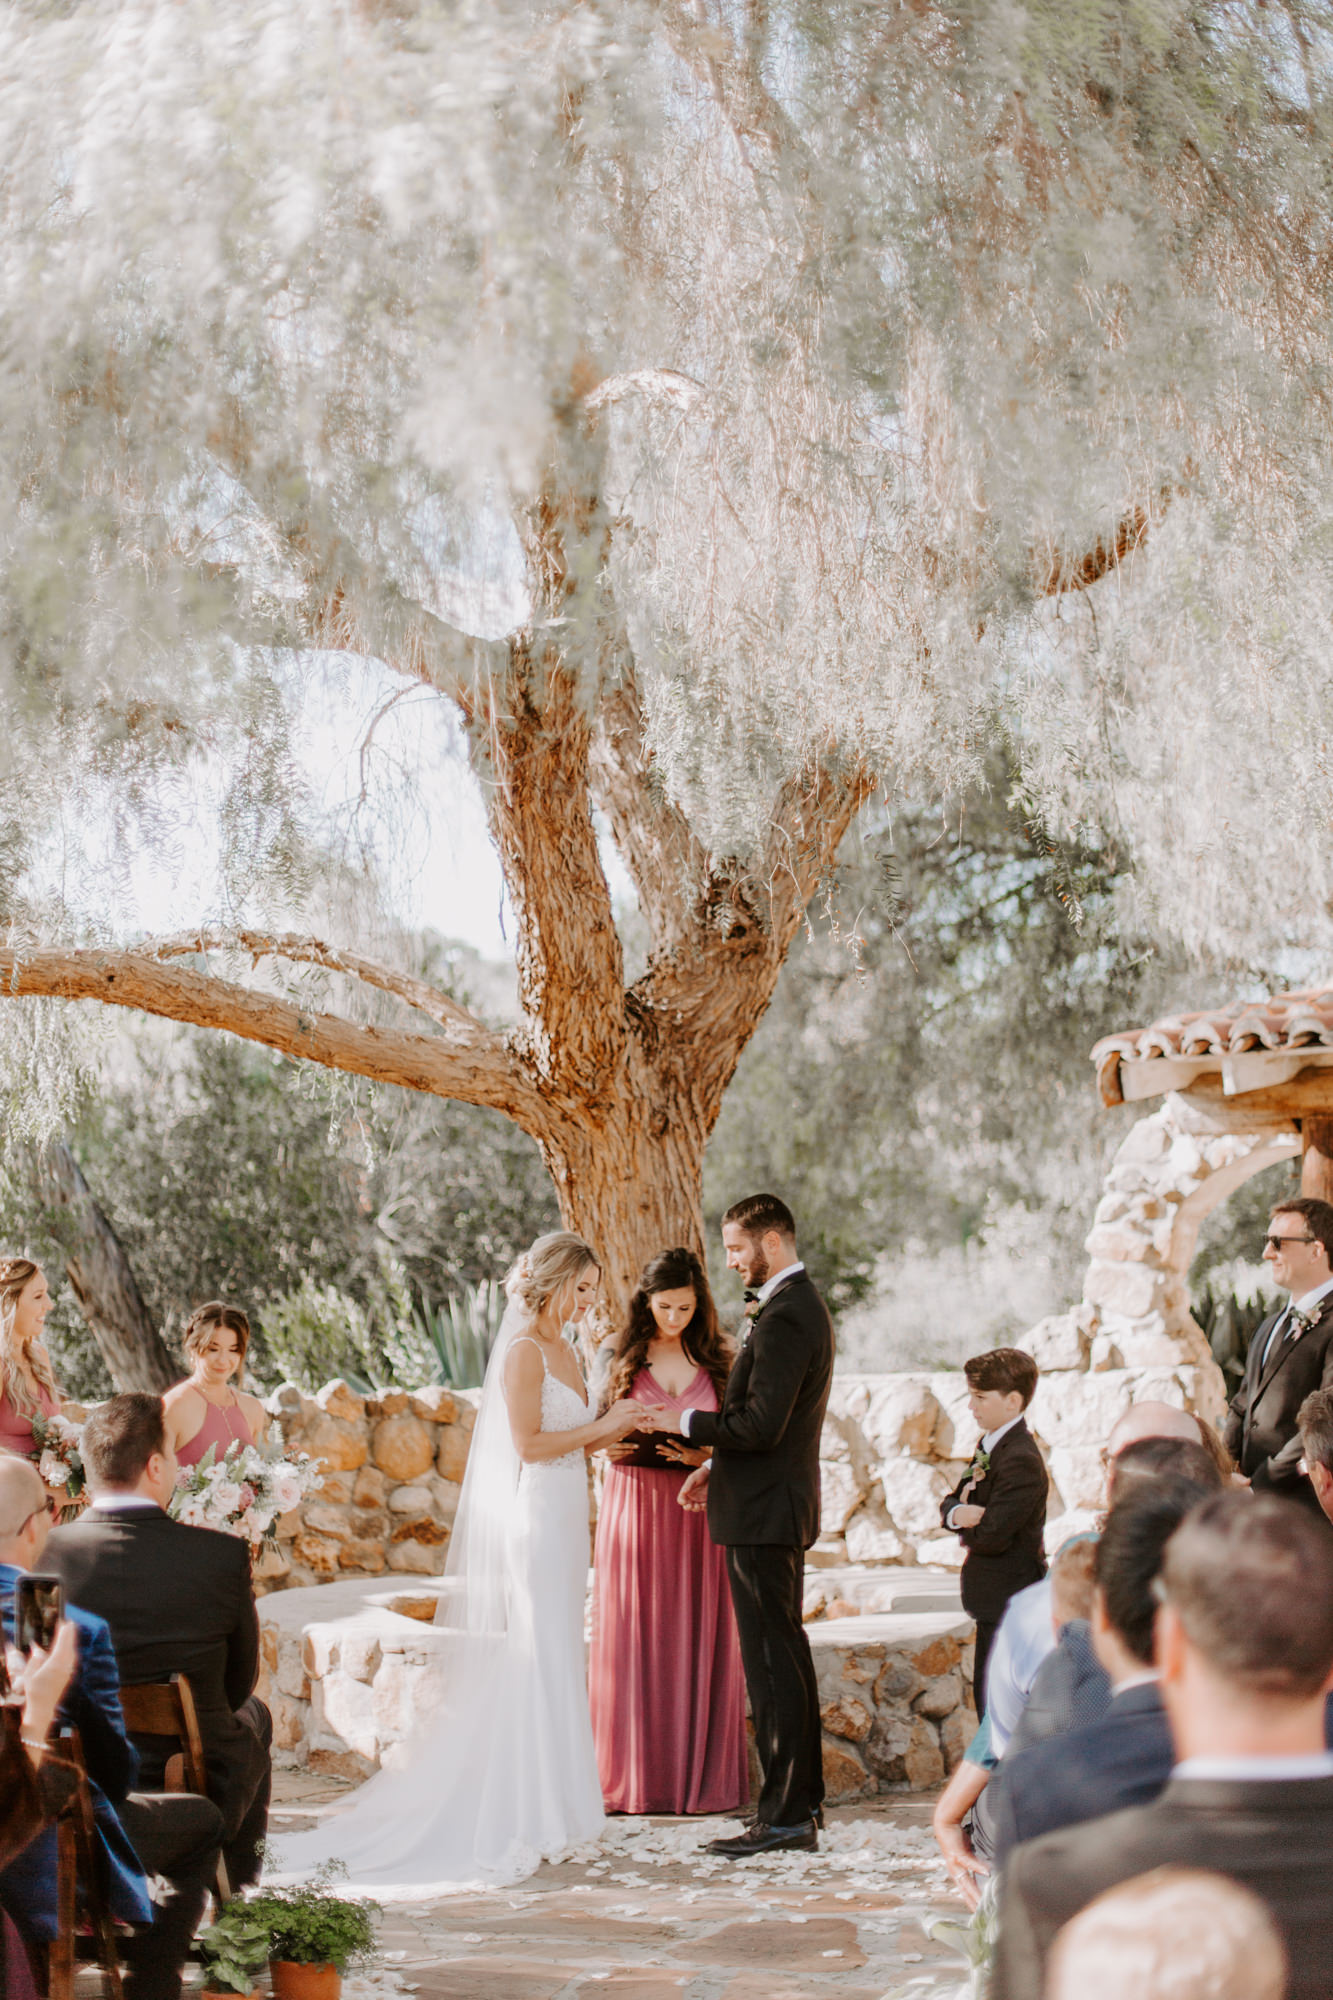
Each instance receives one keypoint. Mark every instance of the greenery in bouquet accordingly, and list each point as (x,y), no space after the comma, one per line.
(235,1949)
(307,1924)
(57,1455)
(246,1491)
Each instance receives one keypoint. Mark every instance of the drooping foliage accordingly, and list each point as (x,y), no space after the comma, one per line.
(729,410)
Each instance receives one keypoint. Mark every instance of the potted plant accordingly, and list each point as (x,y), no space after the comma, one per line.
(234,1951)
(314,1935)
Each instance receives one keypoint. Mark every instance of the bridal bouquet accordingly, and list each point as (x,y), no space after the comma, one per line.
(245,1491)
(58,1457)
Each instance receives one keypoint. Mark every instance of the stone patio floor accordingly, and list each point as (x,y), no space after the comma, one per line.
(650,1918)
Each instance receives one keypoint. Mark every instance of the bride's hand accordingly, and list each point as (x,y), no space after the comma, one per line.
(626,1416)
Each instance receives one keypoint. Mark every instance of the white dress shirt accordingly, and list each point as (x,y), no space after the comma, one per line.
(105,1500)
(763,1295)
(1277,1770)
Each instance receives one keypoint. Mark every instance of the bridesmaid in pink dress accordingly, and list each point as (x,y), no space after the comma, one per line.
(206,1409)
(27,1380)
(664,1676)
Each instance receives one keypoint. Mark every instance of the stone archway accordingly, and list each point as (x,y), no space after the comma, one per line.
(1172,1169)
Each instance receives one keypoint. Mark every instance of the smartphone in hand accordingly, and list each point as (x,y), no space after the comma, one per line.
(39,1605)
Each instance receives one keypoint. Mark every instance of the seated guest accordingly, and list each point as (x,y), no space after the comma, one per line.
(35,1689)
(175,1837)
(1026,1634)
(1070,1681)
(1069,1687)
(1177,1934)
(178,1600)
(1125,1757)
(1244,1651)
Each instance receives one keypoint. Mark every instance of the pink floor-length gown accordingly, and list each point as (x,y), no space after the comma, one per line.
(221,1429)
(664,1676)
(16,1429)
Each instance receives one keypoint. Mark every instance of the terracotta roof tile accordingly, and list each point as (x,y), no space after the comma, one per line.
(1284,1021)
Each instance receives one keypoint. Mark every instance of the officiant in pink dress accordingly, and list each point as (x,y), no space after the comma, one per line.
(664,1679)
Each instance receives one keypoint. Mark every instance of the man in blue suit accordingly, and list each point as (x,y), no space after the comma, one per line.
(1124,1758)
(172,1836)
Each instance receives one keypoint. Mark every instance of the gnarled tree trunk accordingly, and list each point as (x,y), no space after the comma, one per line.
(101,1278)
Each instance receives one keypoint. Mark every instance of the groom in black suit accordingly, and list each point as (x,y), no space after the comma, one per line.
(762,1488)
(178,1600)
(1290,1356)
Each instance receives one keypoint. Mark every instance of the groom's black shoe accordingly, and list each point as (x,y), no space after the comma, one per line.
(751,1819)
(761,1839)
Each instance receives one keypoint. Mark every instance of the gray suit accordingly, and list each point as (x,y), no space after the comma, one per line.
(1275,1837)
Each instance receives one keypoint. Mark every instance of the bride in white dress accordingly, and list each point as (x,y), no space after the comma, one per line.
(504,1774)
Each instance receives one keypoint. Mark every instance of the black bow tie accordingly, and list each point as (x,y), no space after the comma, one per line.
(750,1298)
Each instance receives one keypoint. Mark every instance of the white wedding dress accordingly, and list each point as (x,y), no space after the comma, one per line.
(504,1775)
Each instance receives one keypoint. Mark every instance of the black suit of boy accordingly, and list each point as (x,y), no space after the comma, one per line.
(179,1600)
(1273,1835)
(1004,1551)
(763,1509)
(1261,1432)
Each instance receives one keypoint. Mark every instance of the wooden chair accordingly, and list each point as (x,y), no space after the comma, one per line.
(166,1708)
(78,1880)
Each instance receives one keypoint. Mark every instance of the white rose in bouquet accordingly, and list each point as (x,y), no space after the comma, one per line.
(54,1471)
(226,1496)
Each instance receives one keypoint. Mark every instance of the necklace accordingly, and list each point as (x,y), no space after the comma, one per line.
(232,1398)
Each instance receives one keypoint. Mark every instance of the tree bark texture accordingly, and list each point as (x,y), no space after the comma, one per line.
(101,1278)
(620,1086)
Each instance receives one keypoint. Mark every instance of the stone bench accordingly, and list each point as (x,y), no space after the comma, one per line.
(350,1668)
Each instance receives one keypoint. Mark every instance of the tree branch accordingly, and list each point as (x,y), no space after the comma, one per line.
(483,1071)
(441,1007)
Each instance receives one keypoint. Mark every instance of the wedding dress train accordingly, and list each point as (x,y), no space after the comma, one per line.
(505,1773)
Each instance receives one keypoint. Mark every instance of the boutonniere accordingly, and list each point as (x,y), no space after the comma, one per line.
(1301,1322)
(980,1465)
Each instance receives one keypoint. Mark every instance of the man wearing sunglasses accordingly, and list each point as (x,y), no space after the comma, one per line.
(1290,1356)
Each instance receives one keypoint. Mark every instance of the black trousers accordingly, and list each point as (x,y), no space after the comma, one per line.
(240,1780)
(986,1630)
(176,1835)
(766,1588)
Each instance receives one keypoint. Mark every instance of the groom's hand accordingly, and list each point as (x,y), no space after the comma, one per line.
(693,1494)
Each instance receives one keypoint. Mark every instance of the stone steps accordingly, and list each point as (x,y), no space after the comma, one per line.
(350,1668)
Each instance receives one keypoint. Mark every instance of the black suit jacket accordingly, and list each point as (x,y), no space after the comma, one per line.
(1261,1432)
(178,1600)
(1004,1552)
(1124,1759)
(1275,1837)
(764,1483)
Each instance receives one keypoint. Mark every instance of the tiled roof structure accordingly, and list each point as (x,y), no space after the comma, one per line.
(1253,1044)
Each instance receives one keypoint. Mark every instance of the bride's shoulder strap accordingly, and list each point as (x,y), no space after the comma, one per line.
(520,1339)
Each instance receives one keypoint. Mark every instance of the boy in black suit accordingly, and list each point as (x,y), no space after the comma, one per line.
(998,1508)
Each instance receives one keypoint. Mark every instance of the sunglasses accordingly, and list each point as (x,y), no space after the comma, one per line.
(1276,1242)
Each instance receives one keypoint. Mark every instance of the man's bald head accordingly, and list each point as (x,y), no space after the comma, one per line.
(1152,1420)
(22,1494)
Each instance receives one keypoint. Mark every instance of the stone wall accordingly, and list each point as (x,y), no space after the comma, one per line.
(351,1668)
(393,1468)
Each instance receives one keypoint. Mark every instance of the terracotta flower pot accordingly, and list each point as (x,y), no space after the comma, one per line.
(212,1993)
(304,1982)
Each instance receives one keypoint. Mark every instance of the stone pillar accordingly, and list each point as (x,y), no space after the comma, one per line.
(1172,1168)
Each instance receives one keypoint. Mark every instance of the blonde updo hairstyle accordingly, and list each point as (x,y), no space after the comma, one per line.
(203,1323)
(23,1369)
(553,1264)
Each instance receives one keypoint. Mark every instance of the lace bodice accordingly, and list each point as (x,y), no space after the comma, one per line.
(563,1409)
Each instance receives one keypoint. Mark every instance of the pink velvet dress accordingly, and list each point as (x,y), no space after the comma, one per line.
(664,1675)
(16,1430)
(221,1429)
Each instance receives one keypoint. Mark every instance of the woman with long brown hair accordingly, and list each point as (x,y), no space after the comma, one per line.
(27,1380)
(664,1678)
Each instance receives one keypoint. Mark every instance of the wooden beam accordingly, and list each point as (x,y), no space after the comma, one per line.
(1317,1158)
